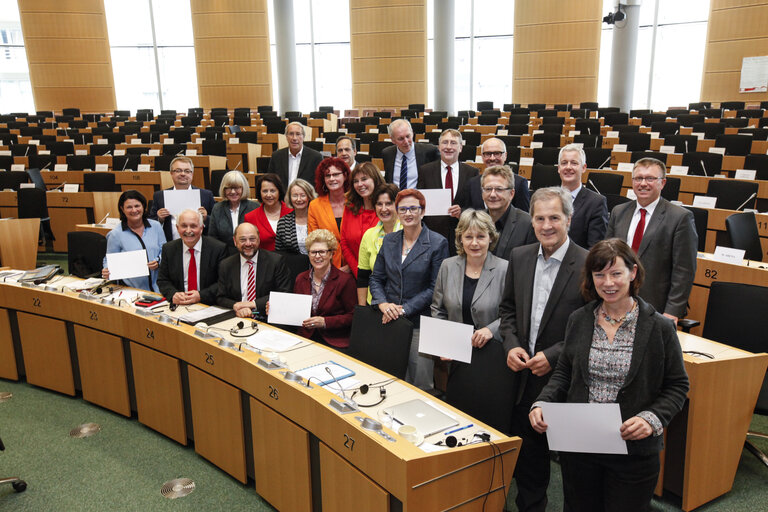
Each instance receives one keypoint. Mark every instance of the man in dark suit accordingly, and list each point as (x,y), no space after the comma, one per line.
(189,266)
(246,278)
(494,152)
(346,149)
(664,237)
(450,174)
(182,170)
(590,209)
(541,291)
(405,152)
(295,161)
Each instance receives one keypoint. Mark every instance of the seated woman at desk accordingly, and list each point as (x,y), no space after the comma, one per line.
(136,232)
(618,349)
(230,213)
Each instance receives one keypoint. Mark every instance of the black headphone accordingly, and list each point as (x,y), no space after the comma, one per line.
(364,390)
(252,327)
(452,442)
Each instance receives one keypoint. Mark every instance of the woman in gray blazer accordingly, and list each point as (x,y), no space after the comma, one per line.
(227,214)
(468,289)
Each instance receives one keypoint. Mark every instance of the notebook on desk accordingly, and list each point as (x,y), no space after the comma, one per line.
(427,419)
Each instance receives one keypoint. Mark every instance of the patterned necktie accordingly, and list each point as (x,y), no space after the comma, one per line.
(251,282)
(192,271)
(639,231)
(404,174)
(449,180)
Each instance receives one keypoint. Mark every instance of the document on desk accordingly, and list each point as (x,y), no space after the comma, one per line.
(585,428)
(272,339)
(289,308)
(444,338)
(123,265)
(438,201)
(178,200)
(202,314)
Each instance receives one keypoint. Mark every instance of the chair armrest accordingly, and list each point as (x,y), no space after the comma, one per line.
(688,324)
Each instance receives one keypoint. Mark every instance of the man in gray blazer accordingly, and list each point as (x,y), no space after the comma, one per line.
(295,161)
(405,152)
(664,237)
(514,225)
(590,209)
(540,293)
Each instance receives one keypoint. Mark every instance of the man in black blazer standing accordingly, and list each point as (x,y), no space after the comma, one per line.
(189,266)
(514,225)
(405,154)
(182,170)
(246,278)
(494,152)
(447,173)
(590,209)
(664,237)
(540,293)
(295,161)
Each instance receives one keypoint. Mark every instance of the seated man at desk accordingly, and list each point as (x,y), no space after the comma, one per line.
(182,170)
(189,266)
(246,278)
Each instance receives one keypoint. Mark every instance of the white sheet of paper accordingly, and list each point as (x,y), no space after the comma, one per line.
(625,166)
(729,255)
(178,200)
(71,187)
(289,308)
(585,428)
(123,265)
(526,161)
(678,170)
(745,174)
(620,147)
(438,201)
(272,339)
(704,201)
(444,338)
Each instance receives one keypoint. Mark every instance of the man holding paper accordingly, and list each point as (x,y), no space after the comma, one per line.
(189,266)
(182,170)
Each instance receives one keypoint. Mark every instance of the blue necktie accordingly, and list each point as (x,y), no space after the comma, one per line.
(404,174)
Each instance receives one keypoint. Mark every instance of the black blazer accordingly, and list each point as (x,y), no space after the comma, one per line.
(285,235)
(517,302)
(425,153)
(271,275)
(310,159)
(590,218)
(158,202)
(656,381)
(517,231)
(473,197)
(220,223)
(170,277)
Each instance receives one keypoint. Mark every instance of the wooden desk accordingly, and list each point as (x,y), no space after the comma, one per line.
(145,182)
(18,243)
(94,228)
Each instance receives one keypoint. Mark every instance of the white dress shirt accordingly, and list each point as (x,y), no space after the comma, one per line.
(244,275)
(454,175)
(636,218)
(186,257)
(293,165)
(413,172)
(543,280)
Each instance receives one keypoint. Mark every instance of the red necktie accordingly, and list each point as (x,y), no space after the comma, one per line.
(192,271)
(251,282)
(449,180)
(639,231)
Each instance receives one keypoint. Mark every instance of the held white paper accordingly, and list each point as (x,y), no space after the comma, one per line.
(178,200)
(289,308)
(129,264)
(585,428)
(438,200)
(444,338)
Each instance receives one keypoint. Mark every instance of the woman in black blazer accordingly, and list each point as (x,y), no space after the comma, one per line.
(229,213)
(618,349)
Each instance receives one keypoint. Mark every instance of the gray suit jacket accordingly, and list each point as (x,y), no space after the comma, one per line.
(668,253)
(449,289)
(517,231)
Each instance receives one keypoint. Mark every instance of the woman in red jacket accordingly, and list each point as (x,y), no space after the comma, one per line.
(269,191)
(359,214)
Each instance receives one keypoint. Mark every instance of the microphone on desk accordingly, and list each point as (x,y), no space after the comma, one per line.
(125,164)
(27,151)
(238,165)
(745,202)
(345,406)
(105,218)
(605,162)
(59,187)
(594,186)
(108,153)
(703,167)
(46,166)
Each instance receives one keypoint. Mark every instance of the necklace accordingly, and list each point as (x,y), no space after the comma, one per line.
(407,249)
(619,320)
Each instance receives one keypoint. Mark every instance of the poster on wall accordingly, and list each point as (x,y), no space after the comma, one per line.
(754,74)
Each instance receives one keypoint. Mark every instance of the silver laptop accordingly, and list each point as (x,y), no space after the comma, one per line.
(427,419)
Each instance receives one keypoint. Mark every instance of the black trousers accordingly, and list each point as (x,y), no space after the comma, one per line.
(532,469)
(595,482)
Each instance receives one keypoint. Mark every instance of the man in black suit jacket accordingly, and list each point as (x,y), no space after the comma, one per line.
(541,291)
(416,154)
(174,276)
(494,152)
(182,170)
(295,161)
(435,175)
(590,209)
(270,274)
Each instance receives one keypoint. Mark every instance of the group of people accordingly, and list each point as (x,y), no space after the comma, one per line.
(568,304)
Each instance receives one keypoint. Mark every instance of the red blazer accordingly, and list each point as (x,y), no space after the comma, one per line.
(337,304)
(259,219)
(352,229)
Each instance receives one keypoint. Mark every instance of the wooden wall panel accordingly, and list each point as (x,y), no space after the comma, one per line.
(557,51)
(737,29)
(389,53)
(68,53)
(232,53)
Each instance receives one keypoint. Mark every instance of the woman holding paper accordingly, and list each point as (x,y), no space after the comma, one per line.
(334,295)
(468,290)
(136,232)
(618,349)
(229,213)
(325,212)
(292,229)
(359,213)
(269,192)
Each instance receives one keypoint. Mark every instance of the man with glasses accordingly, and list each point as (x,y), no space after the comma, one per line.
(514,225)
(494,152)
(664,237)
(182,170)
(590,209)
(404,160)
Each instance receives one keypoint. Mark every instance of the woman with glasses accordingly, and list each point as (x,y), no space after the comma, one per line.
(333,293)
(359,213)
(269,192)
(229,213)
(325,212)
(404,274)
(292,229)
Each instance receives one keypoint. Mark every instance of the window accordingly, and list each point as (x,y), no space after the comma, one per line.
(15,87)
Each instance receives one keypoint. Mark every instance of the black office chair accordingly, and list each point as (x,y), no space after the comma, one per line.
(614,118)
(663,128)
(180,135)
(671,189)
(605,183)
(690,119)
(517,129)
(173,149)
(215,147)
(12,180)
(710,130)
(742,230)
(635,141)
(544,176)
(18,484)
(6,161)
(732,105)
(416,107)
(733,194)
(737,122)
(487,120)
(700,105)
(625,128)
(700,219)
(591,105)
(145,114)
(472,138)
(591,126)
(639,112)
(99,182)
(682,143)
(734,144)
(758,163)
(383,115)
(81,162)
(383,346)
(375,148)
(546,156)
(551,128)
(468,153)
(484,105)
(535,107)
(579,113)
(598,157)
(61,148)
(85,253)
(650,119)
(749,113)
(756,133)
(248,137)
(548,113)
(562,107)
(638,155)
(711,113)
(129,162)
(588,140)
(296,263)
(524,118)
(34,205)
(75,112)
(703,164)
(615,200)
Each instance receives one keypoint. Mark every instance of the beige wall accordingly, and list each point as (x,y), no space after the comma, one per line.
(389,52)
(232,53)
(557,51)
(737,29)
(68,54)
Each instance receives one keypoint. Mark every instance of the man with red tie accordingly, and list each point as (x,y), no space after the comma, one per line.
(664,237)
(189,265)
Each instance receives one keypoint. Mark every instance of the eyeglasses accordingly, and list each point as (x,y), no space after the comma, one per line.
(334,174)
(649,179)
(498,190)
(319,252)
(251,240)
(298,197)
(233,189)
(402,210)
(494,154)
(182,171)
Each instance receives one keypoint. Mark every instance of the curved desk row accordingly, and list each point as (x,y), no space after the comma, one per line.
(246,419)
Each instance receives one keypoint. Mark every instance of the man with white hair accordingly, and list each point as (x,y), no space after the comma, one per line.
(403,160)
(295,161)
(590,209)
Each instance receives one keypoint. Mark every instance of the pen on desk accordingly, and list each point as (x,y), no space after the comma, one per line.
(459,429)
